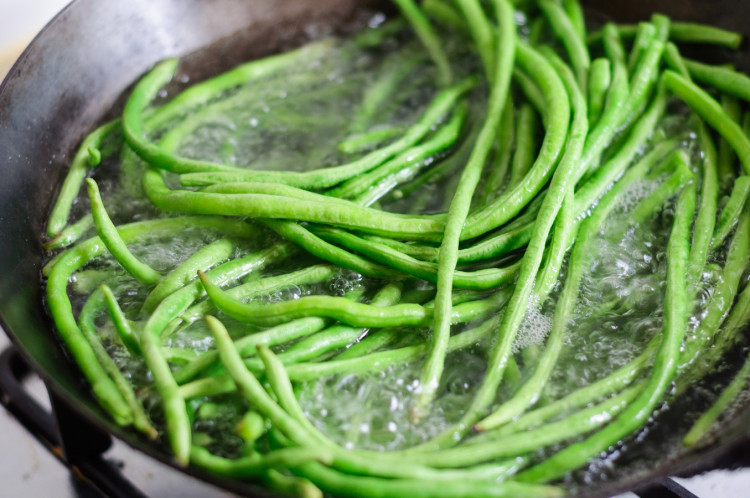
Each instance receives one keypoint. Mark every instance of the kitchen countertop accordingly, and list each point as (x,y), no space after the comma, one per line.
(29,470)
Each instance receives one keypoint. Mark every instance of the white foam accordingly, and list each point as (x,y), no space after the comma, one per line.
(534,328)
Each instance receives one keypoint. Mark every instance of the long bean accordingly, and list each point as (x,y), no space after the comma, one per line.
(580,398)
(574,10)
(90,310)
(444,138)
(665,363)
(311,275)
(521,443)
(459,209)
(711,111)
(359,486)
(255,464)
(71,234)
(356,314)
(510,203)
(725,292)
(427,35)
(483,34)
(497,175)
(83,160)
(531,91)
(516,309)
(738,318)
(526,144)
(730,213)
(665,191)
(703,425)
(684,32)
(88,314)
(373,362)
(445,13)
(108,234)
(247,346)
(645,34)
(478,279)
(394,72)
(176,303)
(600,79)
(574,45)
(705,220)
(313,244)
(208,256)
(124,327)
(62,313)
(725,80)
(727,158)
(329,177)
(269,206)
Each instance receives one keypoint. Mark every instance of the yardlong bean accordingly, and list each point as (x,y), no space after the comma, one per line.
(329,177)
(497,175)
(108,234)
(683,32)
(84,159)
(459,209)
(730,214)
(401,202)
(705,220)
(510,203)
(710,110)
(727,158)
(665,363)
(275,207)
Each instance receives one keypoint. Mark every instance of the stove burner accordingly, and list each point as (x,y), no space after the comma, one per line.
(62,432)
(80,447)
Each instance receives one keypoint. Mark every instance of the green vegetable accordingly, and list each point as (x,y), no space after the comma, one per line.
(425,214)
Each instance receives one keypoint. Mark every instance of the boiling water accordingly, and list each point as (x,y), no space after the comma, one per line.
(294,121)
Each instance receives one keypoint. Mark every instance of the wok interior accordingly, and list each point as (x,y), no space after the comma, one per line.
(73,74)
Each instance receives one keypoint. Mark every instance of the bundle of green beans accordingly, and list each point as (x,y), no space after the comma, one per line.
(396,214)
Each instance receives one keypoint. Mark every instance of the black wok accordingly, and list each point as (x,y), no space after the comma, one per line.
(75,71)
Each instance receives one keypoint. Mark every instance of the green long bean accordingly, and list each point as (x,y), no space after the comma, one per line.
(459,209)
(565,30)
(111,238)
(711,111)
(83,160)
(498,173)
(730,213)
(684,32)
(600,79)
(427,35)
(510,203)
(705,220)
(328,177)
(665,363)
(727,158)
(204,258)
(526,144)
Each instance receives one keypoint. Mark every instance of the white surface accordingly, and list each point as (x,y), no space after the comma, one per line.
(20,21)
